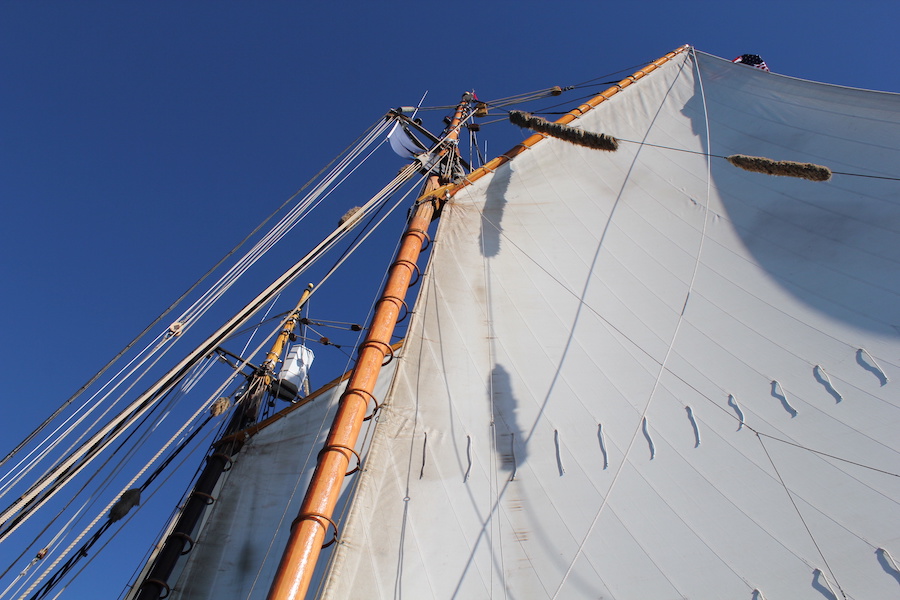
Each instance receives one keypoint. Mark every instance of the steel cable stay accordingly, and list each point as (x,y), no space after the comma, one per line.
(369,206)
(204,407)
(55,435)
(121,461)
(131,450)
(82,551)
(351,152)
(158,319)
(186,387)
(94,404)
(303,209)
(149,397)
(367,140)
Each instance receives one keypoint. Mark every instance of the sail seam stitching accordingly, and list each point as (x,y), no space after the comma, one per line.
(642,425)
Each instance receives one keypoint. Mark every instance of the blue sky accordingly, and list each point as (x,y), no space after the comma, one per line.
(140,141)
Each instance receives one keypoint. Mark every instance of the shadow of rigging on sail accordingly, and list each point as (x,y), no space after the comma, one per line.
(829,255)
(492,214)
(509,440)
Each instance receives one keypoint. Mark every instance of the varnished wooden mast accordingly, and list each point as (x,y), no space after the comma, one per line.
(309,529)
(155,585)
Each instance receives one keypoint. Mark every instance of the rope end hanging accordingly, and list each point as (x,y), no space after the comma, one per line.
(573,135)
(783,168)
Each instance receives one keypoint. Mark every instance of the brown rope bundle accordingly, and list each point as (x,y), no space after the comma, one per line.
(784,168)
(126,502)
(573,135)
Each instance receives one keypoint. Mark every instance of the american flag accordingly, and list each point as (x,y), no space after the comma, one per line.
(753,60)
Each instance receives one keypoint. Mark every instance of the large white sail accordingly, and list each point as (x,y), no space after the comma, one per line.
(238,547)
(649,374)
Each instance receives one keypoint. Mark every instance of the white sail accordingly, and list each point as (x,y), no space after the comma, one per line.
(649,374)
(237,550)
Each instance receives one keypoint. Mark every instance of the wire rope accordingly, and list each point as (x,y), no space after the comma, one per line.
(227,280)
(153,323)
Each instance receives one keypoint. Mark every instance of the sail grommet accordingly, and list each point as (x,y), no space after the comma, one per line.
(332,447)
(318,518)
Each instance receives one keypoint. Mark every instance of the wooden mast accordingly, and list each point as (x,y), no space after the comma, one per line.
(155,584)
(309,529)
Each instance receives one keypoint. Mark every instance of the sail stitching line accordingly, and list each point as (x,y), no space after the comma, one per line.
(661,370)
(744,423)
(696,266)
(637,347)
(809,449)
(495,506)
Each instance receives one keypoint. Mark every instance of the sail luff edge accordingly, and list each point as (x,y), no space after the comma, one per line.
(573,114)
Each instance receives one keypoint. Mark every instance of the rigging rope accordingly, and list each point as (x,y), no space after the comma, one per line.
(65,469)
(187,292)
(374,203)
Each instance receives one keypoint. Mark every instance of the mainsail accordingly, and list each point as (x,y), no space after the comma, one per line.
(639,374)
(237,550)
(650,374)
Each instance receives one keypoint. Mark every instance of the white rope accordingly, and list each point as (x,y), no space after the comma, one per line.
(288,222)
(300,211)
(341,232)
(96,404)
(177,435)
(49,547)
(55,437)
(205,303)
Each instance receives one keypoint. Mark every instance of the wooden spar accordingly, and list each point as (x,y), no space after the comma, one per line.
(314,520)
(155,582)
(32,499)
(573,114)
(268,365)
(311,525)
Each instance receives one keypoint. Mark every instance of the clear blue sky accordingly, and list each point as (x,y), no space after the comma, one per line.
(140,141)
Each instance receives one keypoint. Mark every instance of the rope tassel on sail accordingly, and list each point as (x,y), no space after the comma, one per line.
(573,135)
(784,168)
